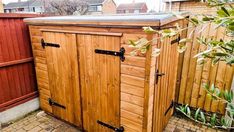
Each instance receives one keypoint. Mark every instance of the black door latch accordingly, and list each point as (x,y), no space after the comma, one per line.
(51,102)
(43,44)
(177,40)
(114,53)
(120,129)
(157,75)
(170,107)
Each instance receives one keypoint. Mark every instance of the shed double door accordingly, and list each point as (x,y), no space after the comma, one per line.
(84,85)
(100,82)
(62,64)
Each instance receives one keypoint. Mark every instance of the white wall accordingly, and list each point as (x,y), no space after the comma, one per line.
(19,111)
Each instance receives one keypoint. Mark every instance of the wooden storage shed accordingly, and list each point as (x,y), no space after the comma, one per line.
(86,75)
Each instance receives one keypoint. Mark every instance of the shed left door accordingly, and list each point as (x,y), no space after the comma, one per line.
(63,74)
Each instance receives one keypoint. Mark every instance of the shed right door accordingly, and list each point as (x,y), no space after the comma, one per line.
(167,63)
(100,82)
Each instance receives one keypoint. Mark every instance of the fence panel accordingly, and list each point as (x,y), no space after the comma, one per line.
(194,75)
(17,75)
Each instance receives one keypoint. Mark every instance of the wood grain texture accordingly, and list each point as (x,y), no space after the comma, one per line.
(17,75)
(194,75)
(197,85)
(165,88)
(100,77)
(62,82)
(117,93)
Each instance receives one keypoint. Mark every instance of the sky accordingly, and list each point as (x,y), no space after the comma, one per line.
(152,4)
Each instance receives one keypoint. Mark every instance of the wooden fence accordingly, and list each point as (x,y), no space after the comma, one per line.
(17,76)
(194,75)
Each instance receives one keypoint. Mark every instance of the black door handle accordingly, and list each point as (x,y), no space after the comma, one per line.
(157,75)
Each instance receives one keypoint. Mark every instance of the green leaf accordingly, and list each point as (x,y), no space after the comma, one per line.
(143,50)
(168,32)
(230,109)
(213,119)
(225,10)
(196,114)
(220,54)
(181,48)
(132,43)
(186,106)
(206,18)
(201,40)
(223,122)
(206,86)
(184,40)
(203,119)
(212,88)
(178,108)
(215,61)
(230,61)
(194,21)
(230,27)
(217,92)
(230,44)
(183,109)
(141,42)
(149,30)
(226,95)
(231,94)
(188,111)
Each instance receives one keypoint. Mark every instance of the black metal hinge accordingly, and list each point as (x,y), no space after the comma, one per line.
(170,107)
(114,53)
(157,75)
(51,102)
(120,129)
(177,40)
(43,44)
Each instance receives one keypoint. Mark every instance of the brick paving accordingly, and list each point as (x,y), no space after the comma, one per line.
(178,124)
(41,122)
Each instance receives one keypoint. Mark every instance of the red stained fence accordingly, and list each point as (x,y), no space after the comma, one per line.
(17,76)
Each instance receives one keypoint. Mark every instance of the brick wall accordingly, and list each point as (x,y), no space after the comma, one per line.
(109,7)
(193,7)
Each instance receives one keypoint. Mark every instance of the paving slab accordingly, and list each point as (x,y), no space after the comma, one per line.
(39,121)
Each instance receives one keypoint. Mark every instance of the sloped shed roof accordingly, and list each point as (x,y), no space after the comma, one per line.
(157,19)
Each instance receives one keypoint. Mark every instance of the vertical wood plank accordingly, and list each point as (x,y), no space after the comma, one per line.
(219,81)
(198,72)
(16,80)
(100,81)
(185,69)
(192,66)
(63,76)
(213,70)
